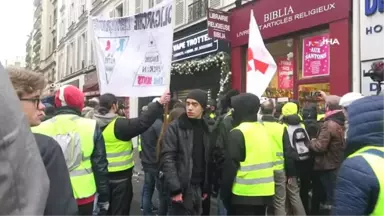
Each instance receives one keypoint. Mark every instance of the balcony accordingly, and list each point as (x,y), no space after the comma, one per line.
(197,10)
(36,47)
(95,3)
(36,59)
(71,27)
(37,3)
(37,12)
(37,24)
(37,35)
(84,13)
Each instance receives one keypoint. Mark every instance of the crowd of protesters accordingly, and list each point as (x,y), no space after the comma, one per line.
(253,155)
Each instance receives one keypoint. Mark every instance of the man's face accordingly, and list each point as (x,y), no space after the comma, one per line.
(194,109)
(33,108)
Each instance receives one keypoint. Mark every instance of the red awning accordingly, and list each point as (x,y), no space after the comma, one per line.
(91,89)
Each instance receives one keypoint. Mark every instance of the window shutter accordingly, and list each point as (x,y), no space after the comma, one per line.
(126,8)
(214,3)
(179,20)
(112,13)
(138,6)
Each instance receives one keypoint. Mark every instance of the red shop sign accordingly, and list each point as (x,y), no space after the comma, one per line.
(277,17)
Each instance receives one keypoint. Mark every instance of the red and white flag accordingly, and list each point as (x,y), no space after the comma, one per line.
(261,66)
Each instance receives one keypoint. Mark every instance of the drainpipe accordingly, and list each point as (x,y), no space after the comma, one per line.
(356,70)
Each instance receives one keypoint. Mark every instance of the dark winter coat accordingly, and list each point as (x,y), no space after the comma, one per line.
(176,155)
(357,187)
(148,145)
(60,198)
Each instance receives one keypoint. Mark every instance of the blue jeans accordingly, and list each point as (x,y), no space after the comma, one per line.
(150,179)
(220,206)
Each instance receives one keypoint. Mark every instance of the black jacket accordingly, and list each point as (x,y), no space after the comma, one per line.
(244,111)
(148,145)
(126,129)
(98,158)
(60,198)
(176,160)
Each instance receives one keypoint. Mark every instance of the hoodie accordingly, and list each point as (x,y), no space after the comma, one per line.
(357,186)
(245,107)
(126,129)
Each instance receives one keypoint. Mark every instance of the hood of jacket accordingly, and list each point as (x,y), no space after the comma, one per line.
(245,108)
(337,117)
(366,123)
(104,120)
(310,112)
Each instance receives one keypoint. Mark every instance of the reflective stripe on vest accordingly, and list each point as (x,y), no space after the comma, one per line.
(119,153)
(255,175)
(276,132)
(82,178)
(375,161)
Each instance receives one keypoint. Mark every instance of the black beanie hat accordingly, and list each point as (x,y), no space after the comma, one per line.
(200,96)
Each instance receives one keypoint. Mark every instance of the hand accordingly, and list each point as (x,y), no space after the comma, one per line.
(178,198)
(322,95)
(165,98)
(290,180)
(205,196)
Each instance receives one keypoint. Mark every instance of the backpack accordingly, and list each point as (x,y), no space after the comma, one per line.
(70,144)
(300,141)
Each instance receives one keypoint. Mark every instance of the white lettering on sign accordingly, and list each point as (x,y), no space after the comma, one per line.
(330,41)
(286,15)
(219,17)
(179,46)
(219,35)
(221,26)
(197,40)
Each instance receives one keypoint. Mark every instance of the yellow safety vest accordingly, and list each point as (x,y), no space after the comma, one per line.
(119,153)
(376,162)
(229,113)
(82,178)
(276,132)
(212,115)
(139,145)
(320,116)
(255,174)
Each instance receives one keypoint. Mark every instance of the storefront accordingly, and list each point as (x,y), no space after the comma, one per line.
(310,41)
(197,62)
(371,32)
(91,84)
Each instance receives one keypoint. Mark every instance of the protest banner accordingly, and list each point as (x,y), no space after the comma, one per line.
(134,53)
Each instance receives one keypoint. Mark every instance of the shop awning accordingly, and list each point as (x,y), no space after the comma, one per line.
(91,89)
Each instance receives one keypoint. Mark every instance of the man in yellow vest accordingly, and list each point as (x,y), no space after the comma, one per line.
(118,133)
(248,183)
(360,182)
(276,132)
(84,149)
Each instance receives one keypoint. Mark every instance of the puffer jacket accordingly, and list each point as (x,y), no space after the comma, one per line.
(357,187)
(329,146)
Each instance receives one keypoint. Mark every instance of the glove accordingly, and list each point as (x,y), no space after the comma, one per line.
(102,208)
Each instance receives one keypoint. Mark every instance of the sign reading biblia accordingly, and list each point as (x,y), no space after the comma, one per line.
(218,24)
(134,53)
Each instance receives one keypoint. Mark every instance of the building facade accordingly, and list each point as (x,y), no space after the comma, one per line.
(309,40)
(37,34)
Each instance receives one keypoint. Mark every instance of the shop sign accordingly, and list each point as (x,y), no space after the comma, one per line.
(276,17)
(90,78)
(218,24)
(315,56)
(285,73)
(371,29)
(368,87)
(193,46)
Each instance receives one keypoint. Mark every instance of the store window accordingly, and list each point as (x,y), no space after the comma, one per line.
(309,94)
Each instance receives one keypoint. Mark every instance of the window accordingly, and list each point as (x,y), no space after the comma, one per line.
(92,54)
(69,60)
(79,52)
(151,3)
(82,51)
(179,20)
(55,15)
(82,7)
(54,43)
(72,14)
(138,6)
(72,58)
(119,11)
(85,52)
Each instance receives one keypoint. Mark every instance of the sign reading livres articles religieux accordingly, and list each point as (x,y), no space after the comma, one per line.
(134,53)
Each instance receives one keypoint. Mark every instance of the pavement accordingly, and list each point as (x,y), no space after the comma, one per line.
(138,181)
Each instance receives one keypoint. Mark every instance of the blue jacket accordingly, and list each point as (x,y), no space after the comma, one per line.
(357,187)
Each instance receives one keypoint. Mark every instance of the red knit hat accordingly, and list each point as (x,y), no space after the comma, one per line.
(71,96)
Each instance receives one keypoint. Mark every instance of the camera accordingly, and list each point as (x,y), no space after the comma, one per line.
(376,73)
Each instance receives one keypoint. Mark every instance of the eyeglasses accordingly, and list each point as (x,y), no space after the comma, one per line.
(36,101)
